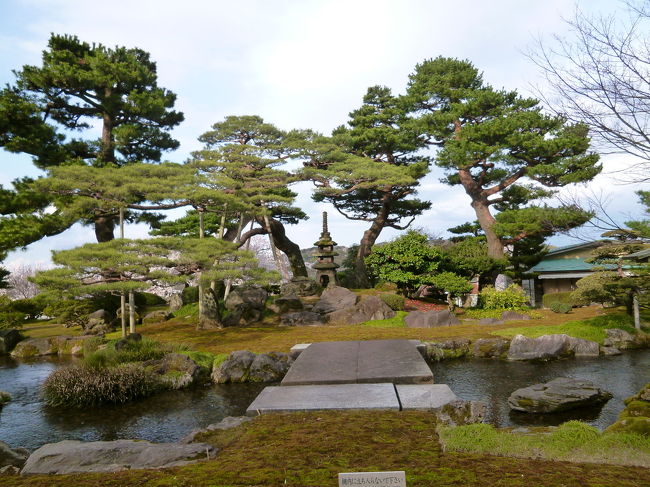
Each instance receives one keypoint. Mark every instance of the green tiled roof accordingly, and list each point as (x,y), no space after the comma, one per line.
(562,265)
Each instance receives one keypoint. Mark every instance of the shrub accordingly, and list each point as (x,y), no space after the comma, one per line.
(386,286)
(78,386)
(70,312)
(551,298)
(394,301)
(513,297)
(32,308)
(558,307)
(190,295)
(131,351)
(478,314)
(148,299)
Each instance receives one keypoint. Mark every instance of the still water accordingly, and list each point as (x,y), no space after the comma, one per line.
(492,381)
(26,421)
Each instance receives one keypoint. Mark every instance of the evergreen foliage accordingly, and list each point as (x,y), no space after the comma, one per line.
(513,297)
(501,148)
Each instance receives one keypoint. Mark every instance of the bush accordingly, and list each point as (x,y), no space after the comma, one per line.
(394,301)
(190,295)
(550,298)
(131,351)
(513,297)
(149,299)
(78,386)
(32,308)
(386,286)
(478,314)
(563,308)
(70,312)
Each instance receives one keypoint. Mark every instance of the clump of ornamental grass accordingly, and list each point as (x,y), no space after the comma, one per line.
(130,351)
(79,386)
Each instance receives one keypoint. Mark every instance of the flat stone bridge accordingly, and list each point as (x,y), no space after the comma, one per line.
(374,374)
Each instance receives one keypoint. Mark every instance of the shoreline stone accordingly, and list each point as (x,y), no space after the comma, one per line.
(560,394)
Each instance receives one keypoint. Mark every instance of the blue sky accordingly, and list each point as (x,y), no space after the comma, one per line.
(298,64)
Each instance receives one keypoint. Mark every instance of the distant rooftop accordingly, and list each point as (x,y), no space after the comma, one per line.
(570,248)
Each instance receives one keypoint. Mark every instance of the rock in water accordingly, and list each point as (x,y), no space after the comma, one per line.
(15,457)
(335,298)
(557,395)
(8,340)
(429,319)
(550,347)
(71,456)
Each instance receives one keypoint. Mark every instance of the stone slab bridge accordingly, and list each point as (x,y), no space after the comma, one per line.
(374,374)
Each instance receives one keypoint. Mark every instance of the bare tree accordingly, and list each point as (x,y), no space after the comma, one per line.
(601,76)
(19,285)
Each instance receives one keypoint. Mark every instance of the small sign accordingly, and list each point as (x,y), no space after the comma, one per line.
(372,479)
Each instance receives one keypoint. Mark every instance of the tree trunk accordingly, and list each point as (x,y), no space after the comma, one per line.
(486,220)
(107,153)
(635,306)
(123,313)
(104,226)
(131,312)
(365,246)
(290,249)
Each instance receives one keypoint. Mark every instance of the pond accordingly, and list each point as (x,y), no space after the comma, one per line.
(26,421)
(492,381)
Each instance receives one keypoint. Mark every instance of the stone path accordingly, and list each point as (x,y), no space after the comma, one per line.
(375,374)
(373,361)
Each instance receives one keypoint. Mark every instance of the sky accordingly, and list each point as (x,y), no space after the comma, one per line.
(298,64)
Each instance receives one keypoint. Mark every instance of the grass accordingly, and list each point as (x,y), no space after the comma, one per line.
(573,441)
(590,329)
(310,449)
(396,321)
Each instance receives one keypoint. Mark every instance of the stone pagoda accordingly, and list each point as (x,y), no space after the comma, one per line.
(325,266)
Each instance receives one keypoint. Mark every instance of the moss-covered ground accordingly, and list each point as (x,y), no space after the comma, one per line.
(310,449)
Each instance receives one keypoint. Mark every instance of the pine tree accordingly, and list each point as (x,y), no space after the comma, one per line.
(78,85)
(498,146)
(369,170)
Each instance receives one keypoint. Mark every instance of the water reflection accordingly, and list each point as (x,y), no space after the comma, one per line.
(492,381)
(27,421)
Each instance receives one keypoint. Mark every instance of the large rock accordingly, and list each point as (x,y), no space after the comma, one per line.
(226,423)
(156,317)
(460,412)
(437,351)
(333,299)
(246,297)
(502,282)
(176,370)
(5,397)
(245,366)
(430,319)
(72,456)
(301,286)
(368,309)
(547,347)
(302,318)
(15,457)
(269,367)
(175,302)
(287,304)
(490,348)
(100,317)
(8,340)
(557,395)
(42,347)
(623,340)
(583,348)
(513,315)
(211,317)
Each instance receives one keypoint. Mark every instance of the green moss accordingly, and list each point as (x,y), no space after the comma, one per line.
(636,408)
(639,426)
(219,359)
(25,351)
(396,321)
(202,359)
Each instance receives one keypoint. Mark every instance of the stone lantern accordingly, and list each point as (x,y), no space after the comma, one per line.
(325,265)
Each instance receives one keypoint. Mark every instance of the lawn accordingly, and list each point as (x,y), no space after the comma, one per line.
(310,449)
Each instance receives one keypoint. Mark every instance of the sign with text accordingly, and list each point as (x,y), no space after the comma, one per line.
(373,479)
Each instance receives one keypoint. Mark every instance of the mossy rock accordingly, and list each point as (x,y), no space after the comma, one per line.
(5,397)
(636,409)
(640,426)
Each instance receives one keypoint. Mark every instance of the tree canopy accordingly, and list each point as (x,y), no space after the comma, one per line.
(498,146)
